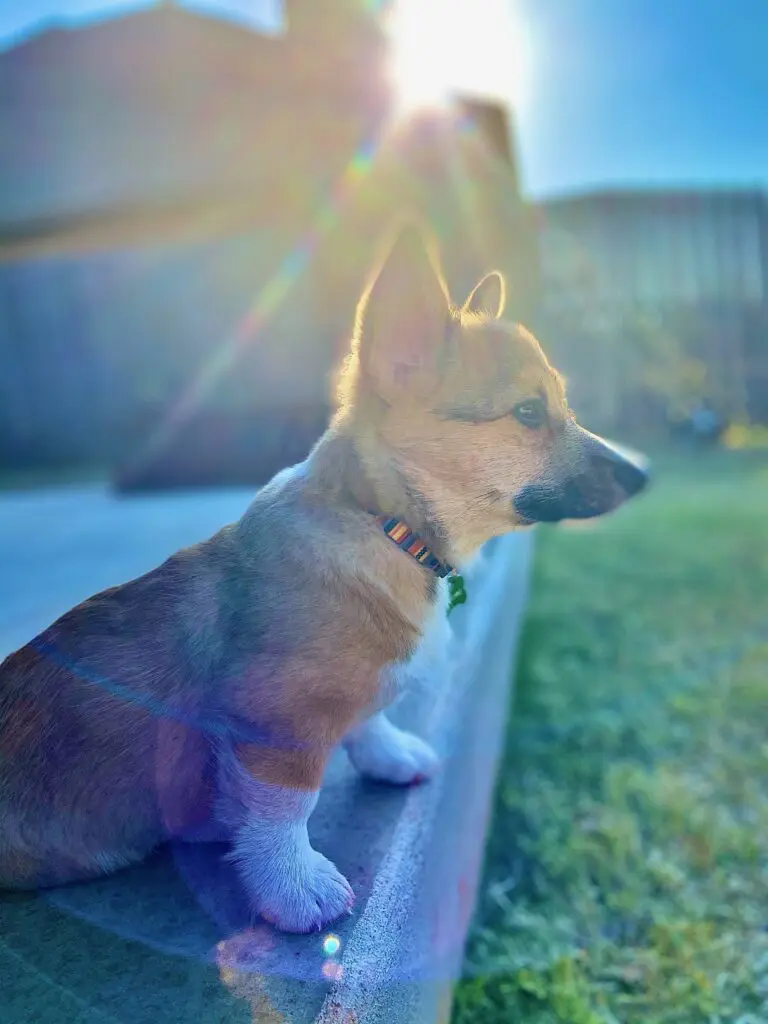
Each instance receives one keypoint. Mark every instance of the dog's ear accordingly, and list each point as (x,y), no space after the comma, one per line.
(402,318)
(489,296)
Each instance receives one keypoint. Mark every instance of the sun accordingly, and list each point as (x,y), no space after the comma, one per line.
(440,48)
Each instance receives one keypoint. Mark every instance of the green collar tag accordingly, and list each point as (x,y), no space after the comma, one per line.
(457,593)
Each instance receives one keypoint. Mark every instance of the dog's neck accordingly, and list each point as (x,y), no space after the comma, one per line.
(357,473)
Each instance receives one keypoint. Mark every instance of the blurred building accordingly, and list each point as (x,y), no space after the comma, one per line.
(694,262)
(188,211)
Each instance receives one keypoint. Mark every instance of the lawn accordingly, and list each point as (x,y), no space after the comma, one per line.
(626,876)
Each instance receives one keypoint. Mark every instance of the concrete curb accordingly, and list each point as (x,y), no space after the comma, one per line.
(407,947)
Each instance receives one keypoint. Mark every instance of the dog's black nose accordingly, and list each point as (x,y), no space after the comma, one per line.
(628,471)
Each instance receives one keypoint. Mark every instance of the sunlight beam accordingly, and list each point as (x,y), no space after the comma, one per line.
(442,48)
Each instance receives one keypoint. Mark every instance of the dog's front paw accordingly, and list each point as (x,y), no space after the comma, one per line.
(381,751)
(296,891)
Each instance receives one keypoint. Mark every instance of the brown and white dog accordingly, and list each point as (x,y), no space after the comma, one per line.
(203,699)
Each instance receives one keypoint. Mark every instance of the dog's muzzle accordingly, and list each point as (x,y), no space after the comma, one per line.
(606,478)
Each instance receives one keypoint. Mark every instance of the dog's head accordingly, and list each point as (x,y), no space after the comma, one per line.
(467,407)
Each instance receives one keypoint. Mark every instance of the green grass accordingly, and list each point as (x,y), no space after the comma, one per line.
(626,876)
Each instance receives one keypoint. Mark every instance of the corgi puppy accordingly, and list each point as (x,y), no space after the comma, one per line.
(203,699)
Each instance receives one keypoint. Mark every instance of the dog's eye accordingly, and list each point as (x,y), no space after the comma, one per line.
(531,413)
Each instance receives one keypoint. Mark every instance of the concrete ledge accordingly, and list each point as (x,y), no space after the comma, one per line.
(407,946)
(167,941)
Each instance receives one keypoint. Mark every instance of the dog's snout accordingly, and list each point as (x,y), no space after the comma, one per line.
(546,504)
(606,477)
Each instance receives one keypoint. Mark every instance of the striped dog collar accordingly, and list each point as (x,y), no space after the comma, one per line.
(402,535)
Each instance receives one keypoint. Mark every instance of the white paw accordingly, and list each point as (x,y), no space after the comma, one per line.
(293,887)
(381,751)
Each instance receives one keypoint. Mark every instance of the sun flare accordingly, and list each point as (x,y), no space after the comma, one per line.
(441,48)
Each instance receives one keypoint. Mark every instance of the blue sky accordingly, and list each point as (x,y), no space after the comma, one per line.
(618,91)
